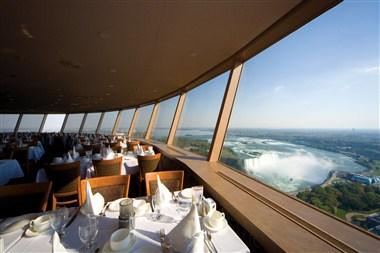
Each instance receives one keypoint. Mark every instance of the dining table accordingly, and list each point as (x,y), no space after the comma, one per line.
(146,231)
(9,168)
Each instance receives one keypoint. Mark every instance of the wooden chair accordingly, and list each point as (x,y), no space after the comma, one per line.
(108,167)
(66,184)
(111,187)
(131,145)
(24,198)
(173,180)
(147,163)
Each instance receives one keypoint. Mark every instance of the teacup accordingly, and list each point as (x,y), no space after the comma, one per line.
(40,224)
(120,239)
(216,219)
(208,206)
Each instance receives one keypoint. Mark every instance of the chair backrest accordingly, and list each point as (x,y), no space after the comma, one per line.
(65,176)
(173,180)
(148,163)
(131,145)
(111,187)
(20,199)
(108,167)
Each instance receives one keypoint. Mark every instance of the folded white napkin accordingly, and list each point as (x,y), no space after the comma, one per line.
(197,244)
(69,158)
(94,202)
(181,235)
(163,195)
(41,176)
(75,153)
(57,245)
(109,153)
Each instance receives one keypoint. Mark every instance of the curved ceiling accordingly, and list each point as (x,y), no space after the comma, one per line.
(76,56)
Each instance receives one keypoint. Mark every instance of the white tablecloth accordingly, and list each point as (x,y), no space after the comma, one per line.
(147,233)
(129,166)
(9,169)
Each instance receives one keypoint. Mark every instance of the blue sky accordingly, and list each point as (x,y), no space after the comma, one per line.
(324,75)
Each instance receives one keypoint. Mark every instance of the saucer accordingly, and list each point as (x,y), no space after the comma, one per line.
(211,228)
(186,193)
(107,246)
(31,233)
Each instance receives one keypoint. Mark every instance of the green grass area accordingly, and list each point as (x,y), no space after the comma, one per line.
(340,213)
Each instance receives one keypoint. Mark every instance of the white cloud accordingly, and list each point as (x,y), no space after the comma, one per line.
(369,70)
(278,88)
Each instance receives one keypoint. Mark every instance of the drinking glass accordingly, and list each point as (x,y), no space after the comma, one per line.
(197,193)
(183,206)
(58,220)
(156,208)
(88,232)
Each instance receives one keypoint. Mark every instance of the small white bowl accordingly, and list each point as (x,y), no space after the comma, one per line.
(120,239)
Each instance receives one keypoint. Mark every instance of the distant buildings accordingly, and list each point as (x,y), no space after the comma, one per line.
(363,179)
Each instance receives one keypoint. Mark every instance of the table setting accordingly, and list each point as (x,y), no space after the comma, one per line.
(183,221)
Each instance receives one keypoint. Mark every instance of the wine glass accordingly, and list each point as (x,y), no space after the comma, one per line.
(156,208)
(88,232)
(58,220)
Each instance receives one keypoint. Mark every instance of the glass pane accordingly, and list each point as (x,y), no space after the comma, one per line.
(142,121)
(30,123)
(91,123)
(164,119)
(125,120)
(306,116)
(199,115)
(54,122)
(8,122)
(73,123)
(108,122)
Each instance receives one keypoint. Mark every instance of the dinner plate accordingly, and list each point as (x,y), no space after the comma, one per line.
(15,223)
(107,246)
(186,193)
(211,228)
(114,206)
(31,233)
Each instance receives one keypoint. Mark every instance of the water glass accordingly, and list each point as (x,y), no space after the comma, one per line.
(183,206)
(58,220)
(156,208)
(197,193)
(88,232)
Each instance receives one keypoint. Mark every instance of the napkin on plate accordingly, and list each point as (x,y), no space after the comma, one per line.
(57,245)
(182,235)
(163,195)
(197,244)
(69,158)
(109,153)
(94,202)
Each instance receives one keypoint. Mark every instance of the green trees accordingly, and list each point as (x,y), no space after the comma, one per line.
(345,196)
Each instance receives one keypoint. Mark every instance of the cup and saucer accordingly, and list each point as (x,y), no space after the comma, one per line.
(215,222)
(122,240)
(38,226)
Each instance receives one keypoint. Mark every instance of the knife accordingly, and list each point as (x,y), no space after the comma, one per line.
(73,217)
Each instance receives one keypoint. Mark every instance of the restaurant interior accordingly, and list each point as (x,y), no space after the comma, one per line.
(97,180)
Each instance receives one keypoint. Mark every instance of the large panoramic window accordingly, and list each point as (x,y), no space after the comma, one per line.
(53,123)
(73,123)
(306,115)
(8,122)
(91,123)
(199,115)
(30,123)
(108,122)
(164,119)
(125,120)
(142,121)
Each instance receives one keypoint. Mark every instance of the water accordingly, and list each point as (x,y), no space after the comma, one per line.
(287,166)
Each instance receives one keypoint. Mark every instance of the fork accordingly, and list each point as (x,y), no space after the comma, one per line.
(209,238)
